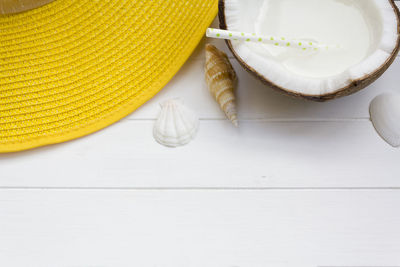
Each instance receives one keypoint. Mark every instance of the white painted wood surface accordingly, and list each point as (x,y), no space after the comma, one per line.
(199,228)
(299,184)
(258,154)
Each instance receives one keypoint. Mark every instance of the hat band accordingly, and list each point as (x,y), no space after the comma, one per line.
(16,6)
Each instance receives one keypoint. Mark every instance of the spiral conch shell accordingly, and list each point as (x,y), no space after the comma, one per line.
(221,79)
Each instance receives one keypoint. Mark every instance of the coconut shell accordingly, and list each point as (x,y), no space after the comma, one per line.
(355,86)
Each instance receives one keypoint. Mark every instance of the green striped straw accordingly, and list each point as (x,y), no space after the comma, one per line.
(272,40)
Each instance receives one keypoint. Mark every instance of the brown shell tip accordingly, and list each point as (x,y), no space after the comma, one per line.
(235,122)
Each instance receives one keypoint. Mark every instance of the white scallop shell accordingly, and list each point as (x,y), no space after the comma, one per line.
(385,116)
(176,125)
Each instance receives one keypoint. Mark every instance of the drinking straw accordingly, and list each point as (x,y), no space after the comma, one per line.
(272,40)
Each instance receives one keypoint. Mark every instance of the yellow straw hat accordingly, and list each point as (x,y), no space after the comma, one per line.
(72,67)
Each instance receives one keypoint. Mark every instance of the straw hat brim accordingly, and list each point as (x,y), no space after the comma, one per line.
(72,67)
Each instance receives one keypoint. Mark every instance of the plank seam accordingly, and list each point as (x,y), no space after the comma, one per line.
(204,188)
(289,120)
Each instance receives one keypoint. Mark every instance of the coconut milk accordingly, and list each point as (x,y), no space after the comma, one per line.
(335,22)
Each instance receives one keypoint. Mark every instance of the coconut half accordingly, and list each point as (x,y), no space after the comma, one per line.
(367,33)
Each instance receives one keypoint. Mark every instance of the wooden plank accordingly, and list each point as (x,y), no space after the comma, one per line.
(260,154)
(256,101)
(121,228)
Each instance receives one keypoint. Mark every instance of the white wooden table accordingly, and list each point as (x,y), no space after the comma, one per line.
(299,184)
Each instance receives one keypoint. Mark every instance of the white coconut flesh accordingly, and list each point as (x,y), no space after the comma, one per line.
(365,30)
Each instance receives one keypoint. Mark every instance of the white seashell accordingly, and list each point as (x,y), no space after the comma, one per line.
(176,125)
(385,116)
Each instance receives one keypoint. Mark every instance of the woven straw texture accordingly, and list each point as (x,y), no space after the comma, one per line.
(72,67)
